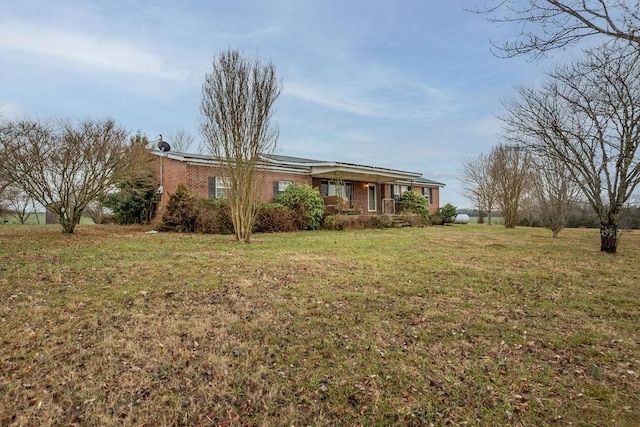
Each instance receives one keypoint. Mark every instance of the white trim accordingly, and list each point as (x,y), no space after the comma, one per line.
(375,198)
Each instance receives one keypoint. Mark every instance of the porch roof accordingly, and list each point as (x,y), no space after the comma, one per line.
(352,171)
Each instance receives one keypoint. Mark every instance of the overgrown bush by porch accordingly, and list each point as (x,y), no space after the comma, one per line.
(363,222)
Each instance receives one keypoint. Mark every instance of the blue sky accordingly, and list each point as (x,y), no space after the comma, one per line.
(410,84)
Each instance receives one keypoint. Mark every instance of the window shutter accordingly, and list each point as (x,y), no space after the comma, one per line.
(276,186)
(212,186)
(324,188)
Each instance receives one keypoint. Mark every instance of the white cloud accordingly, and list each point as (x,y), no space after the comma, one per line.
(88,50)
(326,97)
(377,99)
(10,110)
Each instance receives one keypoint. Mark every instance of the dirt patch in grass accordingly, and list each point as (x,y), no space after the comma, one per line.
(468,325)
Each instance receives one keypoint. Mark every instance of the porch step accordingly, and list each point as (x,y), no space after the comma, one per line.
(399,222)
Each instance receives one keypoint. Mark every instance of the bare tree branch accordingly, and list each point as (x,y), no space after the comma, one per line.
(546,25)
(181,141)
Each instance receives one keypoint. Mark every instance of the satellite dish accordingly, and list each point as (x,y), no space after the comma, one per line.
(163,145)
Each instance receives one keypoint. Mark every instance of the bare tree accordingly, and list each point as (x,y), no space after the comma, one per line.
(96,211)
(5,182)
(588,117)
(18,203)
(64,166)
(181,141)
(3,186)
(237,107)
(479,185)
(510,172)
(555,192)
(550,24)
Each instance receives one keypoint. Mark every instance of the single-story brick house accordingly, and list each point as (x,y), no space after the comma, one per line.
(369,189)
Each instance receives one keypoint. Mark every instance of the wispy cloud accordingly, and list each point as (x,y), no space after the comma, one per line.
(329,98)
(393,101)
(89,50)
(9,110)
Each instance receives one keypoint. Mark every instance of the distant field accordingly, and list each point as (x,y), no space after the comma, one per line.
(456,325)
(35,219)
(494,221)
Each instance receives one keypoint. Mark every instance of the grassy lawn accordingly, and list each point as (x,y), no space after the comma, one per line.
(454,325)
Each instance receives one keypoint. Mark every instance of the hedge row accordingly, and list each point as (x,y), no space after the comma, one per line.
(190,213)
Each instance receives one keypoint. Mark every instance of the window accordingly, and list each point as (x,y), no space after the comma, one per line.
(398,190)
(218,186)
(426,192)
(331,188)
(279,187)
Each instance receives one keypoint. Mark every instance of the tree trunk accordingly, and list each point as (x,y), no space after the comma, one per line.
(67,225)
(69,218)
(608,237)
(510,216)
(242,218)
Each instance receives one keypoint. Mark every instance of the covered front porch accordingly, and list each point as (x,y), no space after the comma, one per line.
(366,190)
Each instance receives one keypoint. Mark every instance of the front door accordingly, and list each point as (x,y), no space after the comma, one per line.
(372,198)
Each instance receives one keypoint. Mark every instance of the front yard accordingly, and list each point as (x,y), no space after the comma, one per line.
(415,326)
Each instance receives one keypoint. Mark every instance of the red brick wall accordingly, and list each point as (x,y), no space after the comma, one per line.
(174,173)
(196,178)
(361,197)
(435,202)
(266,179)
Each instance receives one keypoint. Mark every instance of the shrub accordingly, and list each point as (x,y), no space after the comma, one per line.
(190,213)
(414,220)
(181,213)
(214,216)
(332,222)
(132,206)
(135,201)
(379,221)
(273,218)
(413,203)
(446,214)
(306,203)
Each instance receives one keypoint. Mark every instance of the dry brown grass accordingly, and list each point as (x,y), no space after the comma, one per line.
(456,325)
